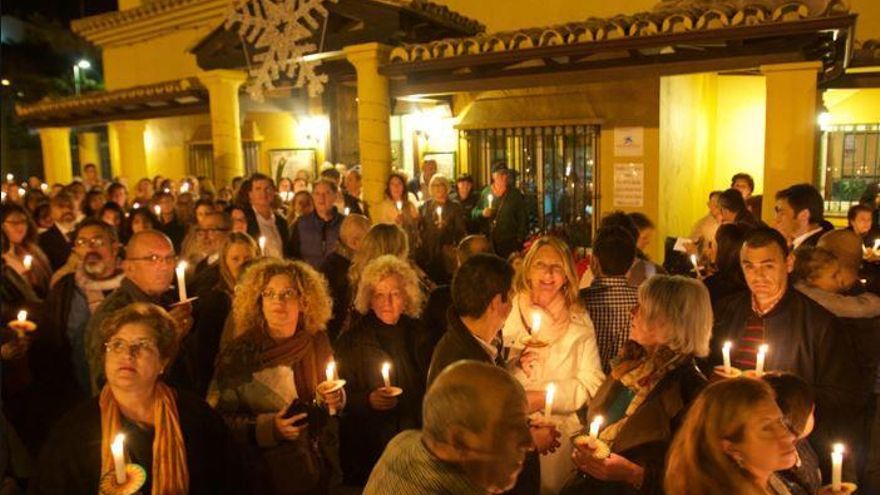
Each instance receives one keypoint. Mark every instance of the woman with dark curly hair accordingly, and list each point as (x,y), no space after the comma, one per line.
(266,382)
(20,249)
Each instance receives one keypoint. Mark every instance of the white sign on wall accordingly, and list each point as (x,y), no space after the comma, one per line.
(629,185)
(629,141)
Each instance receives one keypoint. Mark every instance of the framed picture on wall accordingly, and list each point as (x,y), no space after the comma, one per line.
(446,162)
(288,162)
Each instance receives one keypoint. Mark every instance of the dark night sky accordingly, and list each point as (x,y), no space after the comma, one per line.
(62,10)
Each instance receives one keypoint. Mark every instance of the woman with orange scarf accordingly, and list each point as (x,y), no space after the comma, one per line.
(181,443)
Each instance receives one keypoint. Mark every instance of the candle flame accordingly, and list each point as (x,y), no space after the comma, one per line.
(763,349)
(22,315)
(694,259)
(728,345)
(386,368)
(181,267)
(837,448)
(158,210)
(551,392)
(347,211)
(400,205)
(331,370)
(28,261)
(536,322)
(117,444)
(598,420)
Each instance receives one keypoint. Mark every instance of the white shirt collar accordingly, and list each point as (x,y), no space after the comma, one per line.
(803,237)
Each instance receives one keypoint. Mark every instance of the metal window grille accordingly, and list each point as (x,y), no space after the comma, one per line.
(555,169)
(201,158)
(851,161)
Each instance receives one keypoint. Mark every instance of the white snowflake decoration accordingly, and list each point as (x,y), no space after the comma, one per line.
(278,27)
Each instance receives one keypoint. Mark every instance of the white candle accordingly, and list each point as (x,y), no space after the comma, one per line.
(331,376)
(157,210)
(759,367)
(136,205)
(440,214)
(10,178)
(21,191)
(400,206)
(262,242)
(184,188)
(536,323)
(181,280)
(346,211)
(836,466)
(490,197)
(44,187)
(595,425)
(386,377)
(22,316)
(116,448)
(28,261)
(696,266)
(548,400)
(725,351)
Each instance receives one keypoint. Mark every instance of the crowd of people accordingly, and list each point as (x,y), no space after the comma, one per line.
(289,338)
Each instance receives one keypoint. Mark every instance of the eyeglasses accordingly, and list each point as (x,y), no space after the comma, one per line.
(119,347)
(94,242)
(200,230)
(283,295)
(16,222)
(155,259)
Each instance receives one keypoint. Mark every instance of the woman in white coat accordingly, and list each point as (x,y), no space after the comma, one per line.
(547,312)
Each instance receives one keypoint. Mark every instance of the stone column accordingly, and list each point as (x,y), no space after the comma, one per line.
(88,148)
(57,162)
(128,153)
(223,86)
(374,113)
(790,135)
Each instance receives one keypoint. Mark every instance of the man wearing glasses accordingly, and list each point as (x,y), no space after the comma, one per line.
(148,270)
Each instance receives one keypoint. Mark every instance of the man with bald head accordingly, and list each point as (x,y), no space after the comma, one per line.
(351,233)
(474,438)
(149,270)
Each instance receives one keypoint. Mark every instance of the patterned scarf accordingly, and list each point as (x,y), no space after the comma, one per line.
(169,470)
(94,289)
(639,372)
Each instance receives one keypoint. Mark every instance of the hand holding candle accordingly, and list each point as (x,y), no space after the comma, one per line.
(116,448)
(332,384)
(21,325)
(181,280)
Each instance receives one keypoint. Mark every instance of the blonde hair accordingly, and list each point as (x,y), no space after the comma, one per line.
(439,180)
(310,286)
(382,238)
(697,462)
(810,261)
(228,241)
(570,287)
(380,269)
(683,304)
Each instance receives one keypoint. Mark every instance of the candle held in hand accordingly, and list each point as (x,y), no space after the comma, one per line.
(759,366)
(386,374)
(346,211)
(490,198)
(696,265)
(595,425)
(28,261)
(836,466)
(440,214)
(536,323)
(725,351)
(548,399)
(22,316)
(181,280)
(331,371)
(158,211)
(116,448)
(262,242)
(400,206)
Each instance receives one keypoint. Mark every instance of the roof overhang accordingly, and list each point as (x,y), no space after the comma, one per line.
(182,97)
(648,44)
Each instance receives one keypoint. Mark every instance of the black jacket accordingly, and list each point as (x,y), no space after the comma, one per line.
(56,246)
(436,251)
(70,463)
(647,434)
(457,344)
(253,229)
(335,269)
(175,230)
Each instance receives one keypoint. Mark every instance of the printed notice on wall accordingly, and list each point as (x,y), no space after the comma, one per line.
(629,141)
(629,185)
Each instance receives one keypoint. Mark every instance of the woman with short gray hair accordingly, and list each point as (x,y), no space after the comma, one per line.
(441,227)
(651,384)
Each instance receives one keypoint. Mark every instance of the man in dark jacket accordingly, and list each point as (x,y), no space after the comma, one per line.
(482,300)
(314,236)
(55,242)
(262,220)
(802,337)
(800,215)
(465,195)
(502,208)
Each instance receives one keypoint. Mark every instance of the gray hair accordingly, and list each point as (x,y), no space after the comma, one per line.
(439,180)
(390,266)
(683,304)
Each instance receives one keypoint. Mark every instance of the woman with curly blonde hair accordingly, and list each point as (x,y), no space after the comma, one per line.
(390,302)
(546,306)
(276,359)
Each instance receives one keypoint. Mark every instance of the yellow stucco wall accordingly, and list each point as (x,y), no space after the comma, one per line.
(739,127)
(160,59)
(853,106)
(165,141)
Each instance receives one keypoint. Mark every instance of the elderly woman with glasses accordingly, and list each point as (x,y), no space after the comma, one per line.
(547,310)
(266,383)
(652,382)
(182,445)
(389,301)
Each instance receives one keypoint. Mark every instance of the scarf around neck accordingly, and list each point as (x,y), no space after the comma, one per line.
(170,474)
(94,289)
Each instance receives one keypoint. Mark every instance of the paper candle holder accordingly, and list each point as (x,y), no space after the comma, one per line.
(734,372)
(135,477)
(846,488)
(601,450)
(533,341)
(392,391)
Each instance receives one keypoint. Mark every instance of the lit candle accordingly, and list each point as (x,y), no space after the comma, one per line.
(21,191)
(331,371)
(44,187)
(184,188)
(696,266)
(28,261)
(548,400)
(490,197)
(836,466)
(157,210)
(10,178)
(181,280)
(877,247)
(346,211)
(262,242)
(136,205)
(400,206)
(725,351)
(759,367)
(118,458)
(536,322)
(386,377)
(594,427)
(22,316)
(440,214)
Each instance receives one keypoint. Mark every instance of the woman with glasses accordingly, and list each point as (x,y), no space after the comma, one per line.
(652,382)
(20,249)
(266,382)
(546,308)
(389,302)
(180,443)
(732,441)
